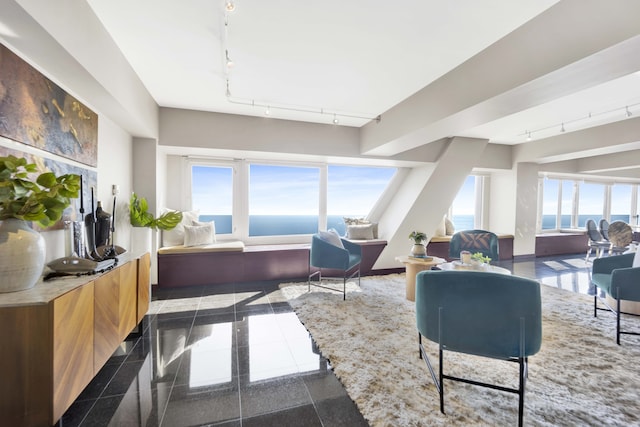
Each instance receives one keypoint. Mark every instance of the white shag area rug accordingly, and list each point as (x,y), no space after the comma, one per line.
(580,377)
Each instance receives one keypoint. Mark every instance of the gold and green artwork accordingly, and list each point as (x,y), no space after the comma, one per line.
(37,112)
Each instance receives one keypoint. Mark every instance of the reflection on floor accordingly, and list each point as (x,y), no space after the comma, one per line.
(236,355)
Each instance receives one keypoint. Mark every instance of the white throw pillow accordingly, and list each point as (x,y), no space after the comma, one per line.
(636,259)
(212,224)
(360,232)
(450,229)
(332,237)
(441,230)
(195,235)
(175,237)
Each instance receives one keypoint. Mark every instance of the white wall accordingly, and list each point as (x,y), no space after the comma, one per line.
(502,202)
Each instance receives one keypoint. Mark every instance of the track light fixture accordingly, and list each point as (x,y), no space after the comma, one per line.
(229,61)
(626,109)
(229,6)
(335,120)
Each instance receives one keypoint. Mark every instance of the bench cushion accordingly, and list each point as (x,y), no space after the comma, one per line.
(231,246)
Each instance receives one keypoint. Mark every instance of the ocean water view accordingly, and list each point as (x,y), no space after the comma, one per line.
(279,225)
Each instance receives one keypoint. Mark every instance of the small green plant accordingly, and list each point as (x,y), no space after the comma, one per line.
(42,200)
(479,257)
(141,217)
(418,237)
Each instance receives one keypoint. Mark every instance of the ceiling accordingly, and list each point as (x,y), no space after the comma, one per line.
(350,61)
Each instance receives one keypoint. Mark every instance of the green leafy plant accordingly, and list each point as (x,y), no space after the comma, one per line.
(479,257)
(41,200)
(418,237)
(141,217)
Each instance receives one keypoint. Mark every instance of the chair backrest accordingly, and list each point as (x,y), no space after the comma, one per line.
(603,225)
(592,231)
(474,241)
(481,313)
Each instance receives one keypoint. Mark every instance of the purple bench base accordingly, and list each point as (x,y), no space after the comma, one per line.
(255,263)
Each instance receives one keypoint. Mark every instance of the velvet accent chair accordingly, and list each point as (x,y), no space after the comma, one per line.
(336,254)
(479,313)
(474,241)
(596,241)
(616,276)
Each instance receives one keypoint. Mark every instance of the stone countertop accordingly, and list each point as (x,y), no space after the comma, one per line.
(45,292)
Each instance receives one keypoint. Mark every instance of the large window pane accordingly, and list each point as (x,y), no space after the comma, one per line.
(352,191)
(566,204)
(212,195)
(621,203)
(550,203)
(283,200)
(463,206)
(591,202)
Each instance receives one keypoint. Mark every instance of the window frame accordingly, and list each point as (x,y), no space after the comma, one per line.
(241,182)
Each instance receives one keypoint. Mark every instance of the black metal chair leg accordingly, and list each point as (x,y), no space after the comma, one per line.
(521,391)
(618,321)
(441,379)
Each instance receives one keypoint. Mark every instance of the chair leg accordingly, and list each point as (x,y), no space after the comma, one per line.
(419,344)
(522,362)
(595,304)
(441,379)
(618,321)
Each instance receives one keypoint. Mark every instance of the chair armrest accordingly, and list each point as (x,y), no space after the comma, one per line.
(353,248)
(608,264)
(625,283)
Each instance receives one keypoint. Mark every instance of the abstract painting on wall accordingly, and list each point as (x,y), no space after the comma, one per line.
(37,112)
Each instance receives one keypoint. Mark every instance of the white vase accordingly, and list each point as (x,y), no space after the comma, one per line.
(418,251)
(22,254)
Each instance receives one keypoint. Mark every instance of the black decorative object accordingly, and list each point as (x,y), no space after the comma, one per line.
(103,225)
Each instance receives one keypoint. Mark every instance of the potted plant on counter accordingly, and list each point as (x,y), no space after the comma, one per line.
(143,222)
(418,250)
(23,199)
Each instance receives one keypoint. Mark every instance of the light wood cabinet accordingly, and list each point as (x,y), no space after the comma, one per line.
(58,335)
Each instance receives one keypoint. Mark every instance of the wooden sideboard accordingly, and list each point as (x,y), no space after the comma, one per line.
(58,335)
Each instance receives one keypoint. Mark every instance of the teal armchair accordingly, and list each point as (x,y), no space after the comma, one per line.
(343,260)
(616,276)
(474,241)
(479,313)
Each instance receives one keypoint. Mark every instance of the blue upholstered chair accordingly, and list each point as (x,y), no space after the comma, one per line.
(479,313)
(335,254)
(474,241)
(616,276)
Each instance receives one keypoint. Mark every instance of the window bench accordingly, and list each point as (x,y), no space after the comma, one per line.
(549,244)
(439,246)
(234,263)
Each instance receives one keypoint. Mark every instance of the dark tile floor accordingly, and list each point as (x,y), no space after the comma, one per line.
(236,355)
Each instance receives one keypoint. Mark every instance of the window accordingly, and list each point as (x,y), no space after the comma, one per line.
(212,195)
(620,203)
(283,200)
(566,213)
(463,208)
(580,201)
(590,203)
(550,196)
(265,202)
(352,191)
